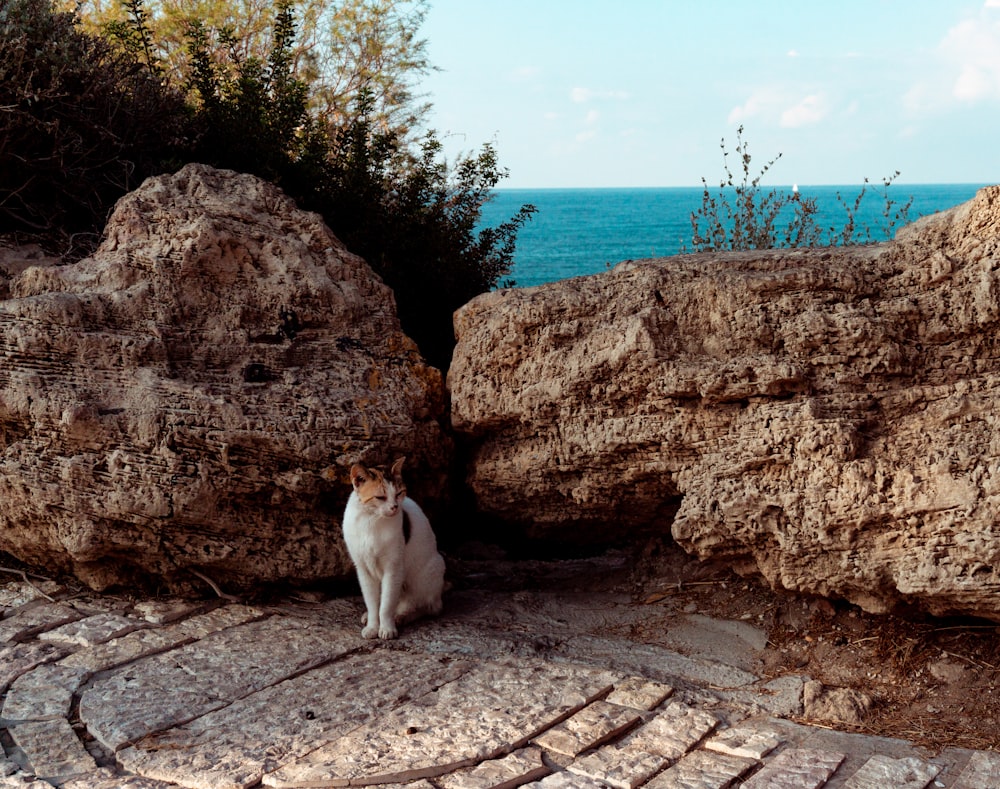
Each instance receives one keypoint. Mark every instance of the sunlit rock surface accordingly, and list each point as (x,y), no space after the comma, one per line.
(825,417)
(170,403)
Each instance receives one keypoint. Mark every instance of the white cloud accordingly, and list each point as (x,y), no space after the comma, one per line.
(761,102)
(810,110)
(974,47)
(583,95)
(779,105)
(966,64)
(526,73)
(794,53)
(972,84)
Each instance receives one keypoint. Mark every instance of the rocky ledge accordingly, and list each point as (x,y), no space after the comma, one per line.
(824,417)
(168,405)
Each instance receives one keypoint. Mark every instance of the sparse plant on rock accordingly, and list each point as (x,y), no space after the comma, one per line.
(741,215)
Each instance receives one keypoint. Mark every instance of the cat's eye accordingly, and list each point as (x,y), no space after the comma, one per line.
(380,498)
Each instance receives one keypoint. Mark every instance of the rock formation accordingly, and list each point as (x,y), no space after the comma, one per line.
(824,417)
(171,402)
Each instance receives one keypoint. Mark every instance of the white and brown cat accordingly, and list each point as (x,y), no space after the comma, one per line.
(393,549)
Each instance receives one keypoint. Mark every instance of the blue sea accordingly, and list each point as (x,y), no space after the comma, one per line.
(584,231)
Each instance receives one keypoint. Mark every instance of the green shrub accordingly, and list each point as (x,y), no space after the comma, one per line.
(411,216)
(418,225)
(81,123)
(85,118)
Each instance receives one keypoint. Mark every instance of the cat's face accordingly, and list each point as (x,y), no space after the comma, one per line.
(380,495)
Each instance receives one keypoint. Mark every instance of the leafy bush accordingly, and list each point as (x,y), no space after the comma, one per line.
(756,219)
(84,118)
(80,122)
(417,225)
(412,217)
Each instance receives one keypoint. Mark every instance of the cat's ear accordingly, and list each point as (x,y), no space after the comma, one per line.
(397,469)
(359,475)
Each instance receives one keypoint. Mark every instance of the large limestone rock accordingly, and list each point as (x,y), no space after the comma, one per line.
(171,402)
(825,417)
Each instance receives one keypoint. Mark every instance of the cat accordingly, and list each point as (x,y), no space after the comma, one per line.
(394,551)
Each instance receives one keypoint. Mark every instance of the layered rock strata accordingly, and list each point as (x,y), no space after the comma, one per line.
(824,417)
(169,404)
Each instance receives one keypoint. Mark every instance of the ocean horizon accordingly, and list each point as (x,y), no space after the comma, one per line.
(578,231)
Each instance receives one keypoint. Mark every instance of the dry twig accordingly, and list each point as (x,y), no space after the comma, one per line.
(215,586)
(27,580)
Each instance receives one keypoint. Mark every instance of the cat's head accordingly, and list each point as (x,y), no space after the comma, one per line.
(380,495)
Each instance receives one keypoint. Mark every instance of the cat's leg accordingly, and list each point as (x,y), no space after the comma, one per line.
(371,591)
(392,584)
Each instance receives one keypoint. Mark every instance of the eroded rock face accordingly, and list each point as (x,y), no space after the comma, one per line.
(827,418)
(172,401)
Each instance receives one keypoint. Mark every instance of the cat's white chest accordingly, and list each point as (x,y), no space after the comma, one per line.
(372,541)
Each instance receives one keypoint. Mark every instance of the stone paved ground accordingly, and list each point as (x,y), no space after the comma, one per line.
(107,693)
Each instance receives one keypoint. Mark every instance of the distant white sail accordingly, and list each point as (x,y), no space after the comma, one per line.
(795,188)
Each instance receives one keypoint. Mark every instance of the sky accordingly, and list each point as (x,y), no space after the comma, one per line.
(641,93)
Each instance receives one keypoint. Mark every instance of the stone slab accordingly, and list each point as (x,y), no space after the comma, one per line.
(565,780)
(588,728)
(655,662)
(234,746)
(92,606)
(983,769)
(44,693)
(639,693)
(493,709)
(174,687)
(421,784)
(672,732)
(91,630)
(16,593)
(219,619)
(141,643)
(16,779)
(106,778)
(781,696)
(119,651)
(511,771)
(881,771)
(18,659)
(30,620)
(53,749)
(797,768)
(861,747)
(622,768)
(703,770)
(748,741)
(162,612)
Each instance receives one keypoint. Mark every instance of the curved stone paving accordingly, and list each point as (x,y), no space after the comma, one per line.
(111,694)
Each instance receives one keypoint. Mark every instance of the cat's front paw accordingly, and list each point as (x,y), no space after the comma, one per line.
(387,632)
(370,631)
